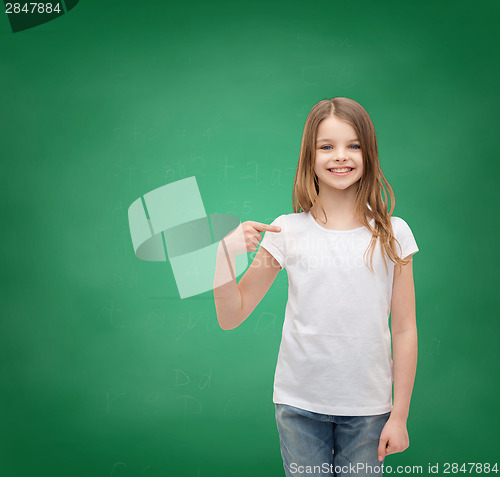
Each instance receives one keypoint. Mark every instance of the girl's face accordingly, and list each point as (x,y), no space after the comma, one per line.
(337,147)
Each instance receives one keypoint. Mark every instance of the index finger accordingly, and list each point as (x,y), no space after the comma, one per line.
(265,227)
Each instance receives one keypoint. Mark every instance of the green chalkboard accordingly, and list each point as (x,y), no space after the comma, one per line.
(104,369)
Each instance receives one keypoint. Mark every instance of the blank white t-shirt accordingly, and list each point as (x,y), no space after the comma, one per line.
(335,351)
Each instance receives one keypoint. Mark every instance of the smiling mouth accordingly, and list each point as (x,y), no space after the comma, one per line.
(341,171)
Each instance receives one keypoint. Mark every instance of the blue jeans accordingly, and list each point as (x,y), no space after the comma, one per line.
(315,444)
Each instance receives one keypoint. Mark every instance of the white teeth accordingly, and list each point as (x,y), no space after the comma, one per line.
(346,169)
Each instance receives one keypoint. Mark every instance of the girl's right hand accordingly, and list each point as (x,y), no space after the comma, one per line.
(246,237)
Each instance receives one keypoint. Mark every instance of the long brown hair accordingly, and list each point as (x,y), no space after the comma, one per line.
(369,200)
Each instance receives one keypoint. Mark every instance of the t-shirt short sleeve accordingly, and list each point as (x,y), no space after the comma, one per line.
(404,235)
(274,242)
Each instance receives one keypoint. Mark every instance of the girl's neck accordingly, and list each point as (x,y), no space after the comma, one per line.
(340,206)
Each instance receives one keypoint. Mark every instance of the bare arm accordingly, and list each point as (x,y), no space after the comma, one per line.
(394,436)
(404,339)
(227,296)
(234,302)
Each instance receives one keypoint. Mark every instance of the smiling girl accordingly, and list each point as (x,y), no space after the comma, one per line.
(334,378)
